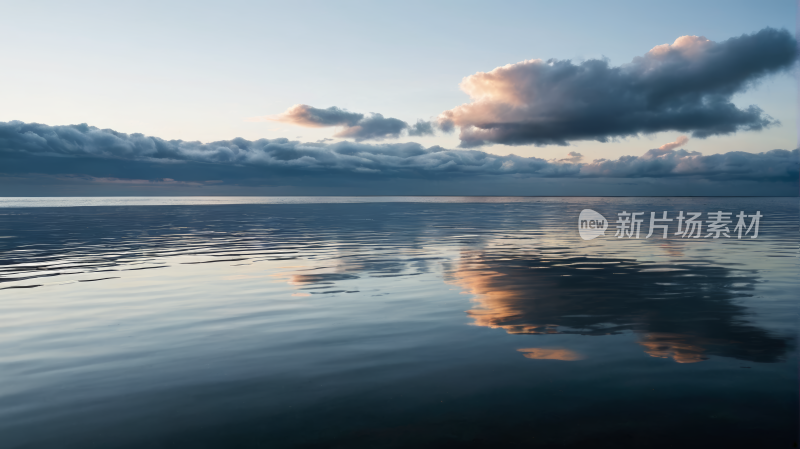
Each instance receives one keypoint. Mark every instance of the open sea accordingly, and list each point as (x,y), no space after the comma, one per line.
(393,322)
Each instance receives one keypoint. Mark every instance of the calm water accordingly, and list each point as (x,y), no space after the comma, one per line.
(392,323)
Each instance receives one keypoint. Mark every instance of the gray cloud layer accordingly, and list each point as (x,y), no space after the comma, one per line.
(85,150)
(776,165)
(686,86)
(354,125)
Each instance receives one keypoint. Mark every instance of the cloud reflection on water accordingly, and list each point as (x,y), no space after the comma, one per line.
(306,324)
(683,312)
(550,354)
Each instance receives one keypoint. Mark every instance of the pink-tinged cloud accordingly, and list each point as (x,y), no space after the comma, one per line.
(680,141)
(353,125)
(685,86)
(308,116)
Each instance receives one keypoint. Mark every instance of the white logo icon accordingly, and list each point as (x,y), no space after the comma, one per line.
(591,224)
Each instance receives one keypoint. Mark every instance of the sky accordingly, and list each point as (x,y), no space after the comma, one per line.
(399,98)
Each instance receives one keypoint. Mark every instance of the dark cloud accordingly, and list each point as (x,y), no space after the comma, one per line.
(421,128)
(374,127)
(686,86)
(82,150)
(31,147)
(354,125)
(658,163)
(304,115)
(446,125)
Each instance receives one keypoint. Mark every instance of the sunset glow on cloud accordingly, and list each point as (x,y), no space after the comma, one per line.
(686,86)
(353,125)
(680,141)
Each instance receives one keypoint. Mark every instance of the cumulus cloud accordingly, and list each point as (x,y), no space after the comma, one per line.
(680,141)
(354,125)
(106,154)
(685,86)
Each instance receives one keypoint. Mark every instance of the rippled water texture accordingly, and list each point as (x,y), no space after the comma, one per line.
(372,323)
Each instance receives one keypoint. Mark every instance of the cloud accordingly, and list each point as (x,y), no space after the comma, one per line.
(421,128)
(31,147)
(680,141)
(374,127)
(573,157)
(685,86)
(304,115)
(106,154)
(660,163)
(354,125)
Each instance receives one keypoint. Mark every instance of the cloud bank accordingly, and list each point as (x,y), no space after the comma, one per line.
(30,148)
(354,125)
(774,165)
(685,86)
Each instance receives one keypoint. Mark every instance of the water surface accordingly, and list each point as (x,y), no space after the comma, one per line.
(392,322)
